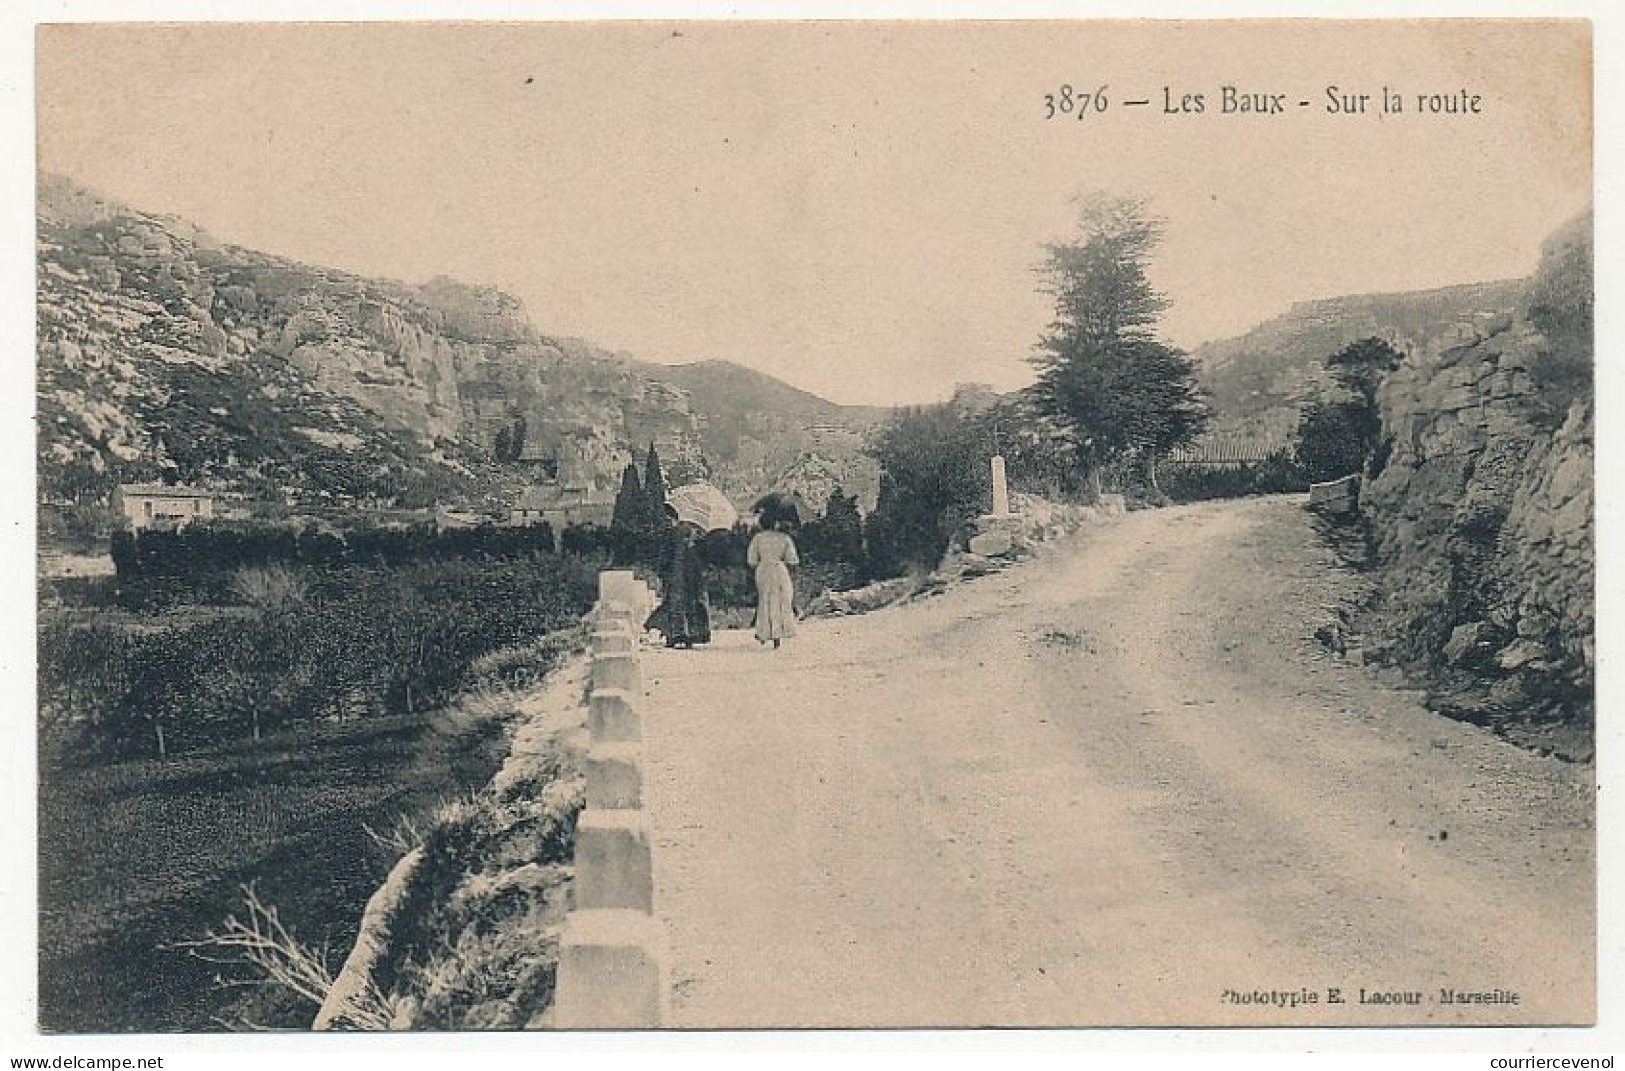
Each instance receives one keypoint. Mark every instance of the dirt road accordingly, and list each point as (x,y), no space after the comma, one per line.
(1120,784)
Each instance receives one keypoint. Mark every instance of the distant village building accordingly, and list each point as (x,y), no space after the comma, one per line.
(561,506)
(158,505)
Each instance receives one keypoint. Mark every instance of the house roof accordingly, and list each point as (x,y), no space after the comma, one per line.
(163,490)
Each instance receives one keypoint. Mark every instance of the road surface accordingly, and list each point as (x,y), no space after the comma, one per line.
(1118,784)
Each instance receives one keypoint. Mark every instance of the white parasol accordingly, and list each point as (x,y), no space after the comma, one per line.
(704,506)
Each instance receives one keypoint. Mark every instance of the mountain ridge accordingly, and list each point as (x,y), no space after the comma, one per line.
(1257,380)
(164,353)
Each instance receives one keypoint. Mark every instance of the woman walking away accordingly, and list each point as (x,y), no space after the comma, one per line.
(771,554)
(684,613)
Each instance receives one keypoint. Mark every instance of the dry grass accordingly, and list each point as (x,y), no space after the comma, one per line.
(261,942)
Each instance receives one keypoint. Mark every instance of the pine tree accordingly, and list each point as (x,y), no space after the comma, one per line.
(1102,371)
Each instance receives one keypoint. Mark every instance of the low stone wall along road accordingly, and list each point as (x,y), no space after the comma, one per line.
(1119,784)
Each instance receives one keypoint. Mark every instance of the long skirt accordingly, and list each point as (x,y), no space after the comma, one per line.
(684,613)
(775,602)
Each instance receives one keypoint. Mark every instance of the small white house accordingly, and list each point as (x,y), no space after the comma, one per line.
(157,505)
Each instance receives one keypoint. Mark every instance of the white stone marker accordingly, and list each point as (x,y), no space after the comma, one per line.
(1001,490)
(618,585)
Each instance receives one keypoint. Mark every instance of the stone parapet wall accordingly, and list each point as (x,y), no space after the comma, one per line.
(610,954)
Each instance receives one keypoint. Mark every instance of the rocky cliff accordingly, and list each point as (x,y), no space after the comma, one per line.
(164,353)
(1481,507)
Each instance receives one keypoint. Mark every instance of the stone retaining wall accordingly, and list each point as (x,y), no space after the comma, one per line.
(610,958)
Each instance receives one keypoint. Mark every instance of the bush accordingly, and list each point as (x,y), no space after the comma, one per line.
(204,557)
(934,477)
(1335,438)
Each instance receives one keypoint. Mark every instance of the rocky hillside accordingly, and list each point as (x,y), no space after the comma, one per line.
(762,432)
(163,354)
(1482,508)
(1258,381)
(166,353)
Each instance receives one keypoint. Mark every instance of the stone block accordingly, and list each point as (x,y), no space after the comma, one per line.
(992,544)
(615,615)
(612,864)
(617,586)
(613,718)
(617,671)
(1335,495)
(614,774)
(610,975)
(1522,653)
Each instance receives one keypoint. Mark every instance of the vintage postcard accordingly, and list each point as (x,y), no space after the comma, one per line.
(720,524)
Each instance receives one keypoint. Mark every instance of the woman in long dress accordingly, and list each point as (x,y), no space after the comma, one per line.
(771,554)
(684,613)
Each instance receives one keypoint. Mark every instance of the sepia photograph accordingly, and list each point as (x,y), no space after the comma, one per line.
(786,525)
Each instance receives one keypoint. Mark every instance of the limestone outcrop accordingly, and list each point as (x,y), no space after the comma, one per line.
(164,353)
(1481,507)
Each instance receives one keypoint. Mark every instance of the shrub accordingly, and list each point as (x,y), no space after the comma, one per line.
(363,639)
(1275,474)
(934,477)
(1335,438)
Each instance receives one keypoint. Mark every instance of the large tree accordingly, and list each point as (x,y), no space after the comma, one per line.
(1102,371)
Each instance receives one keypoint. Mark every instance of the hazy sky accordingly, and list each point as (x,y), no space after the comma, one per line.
(856,208)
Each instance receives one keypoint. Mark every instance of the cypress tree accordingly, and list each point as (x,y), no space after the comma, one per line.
(657,524)
(630,519)
(654,489)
